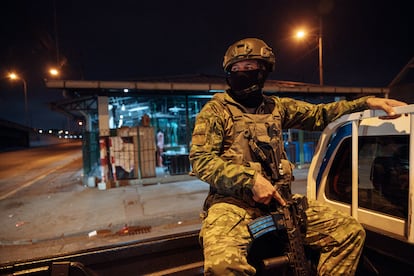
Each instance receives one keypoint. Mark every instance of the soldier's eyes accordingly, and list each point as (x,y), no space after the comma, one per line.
(245,68)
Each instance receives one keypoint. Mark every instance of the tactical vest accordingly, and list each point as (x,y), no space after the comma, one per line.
(255,140)
(242,132)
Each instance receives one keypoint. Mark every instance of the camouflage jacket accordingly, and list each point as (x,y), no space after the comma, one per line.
(213,136)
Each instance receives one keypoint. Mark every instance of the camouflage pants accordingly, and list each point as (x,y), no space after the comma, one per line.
(225,239)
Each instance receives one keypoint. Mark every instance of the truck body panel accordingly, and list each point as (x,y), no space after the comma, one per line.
(361,166)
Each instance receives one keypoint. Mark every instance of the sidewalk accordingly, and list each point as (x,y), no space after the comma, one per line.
(85,217)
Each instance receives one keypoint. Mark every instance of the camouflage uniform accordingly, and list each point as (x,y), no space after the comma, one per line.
(219,158)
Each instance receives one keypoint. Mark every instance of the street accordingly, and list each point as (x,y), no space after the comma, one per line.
(23,168)
(46,210)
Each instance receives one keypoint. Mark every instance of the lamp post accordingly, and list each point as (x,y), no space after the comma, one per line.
(301,34)
(14,76)
(320,52)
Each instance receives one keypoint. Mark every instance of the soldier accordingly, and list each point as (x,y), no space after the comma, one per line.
(240,189)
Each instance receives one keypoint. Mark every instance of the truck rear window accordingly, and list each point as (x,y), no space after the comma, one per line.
(382,176)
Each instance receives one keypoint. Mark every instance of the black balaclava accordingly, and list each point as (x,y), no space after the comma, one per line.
(246,86)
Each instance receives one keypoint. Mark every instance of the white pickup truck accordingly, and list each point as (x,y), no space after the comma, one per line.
(362,166)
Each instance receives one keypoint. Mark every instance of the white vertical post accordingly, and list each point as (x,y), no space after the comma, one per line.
(410,222)
(103,121)
(103,116)
(354,203)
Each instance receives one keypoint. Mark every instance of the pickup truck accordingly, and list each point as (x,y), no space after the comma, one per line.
(361,166)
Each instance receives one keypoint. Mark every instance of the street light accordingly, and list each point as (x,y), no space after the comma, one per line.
(54,72)
(14,76)
(301,34)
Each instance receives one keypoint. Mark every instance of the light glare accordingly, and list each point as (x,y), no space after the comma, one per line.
(54,72)
(300,34)
(13,76)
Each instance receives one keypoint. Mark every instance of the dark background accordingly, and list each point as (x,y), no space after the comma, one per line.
(365,42)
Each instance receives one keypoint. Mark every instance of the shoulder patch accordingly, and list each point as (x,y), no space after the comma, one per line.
(199,133)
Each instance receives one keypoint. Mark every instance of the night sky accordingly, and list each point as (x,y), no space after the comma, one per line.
(365,42)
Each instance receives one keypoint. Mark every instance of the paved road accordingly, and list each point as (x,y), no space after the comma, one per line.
(45,210)
(21,169)
(56,214)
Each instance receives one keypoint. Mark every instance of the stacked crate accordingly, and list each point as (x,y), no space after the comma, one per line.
(142,153)
(122,155)
(146,152)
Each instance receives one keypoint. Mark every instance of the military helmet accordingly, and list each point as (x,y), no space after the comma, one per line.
(249,48)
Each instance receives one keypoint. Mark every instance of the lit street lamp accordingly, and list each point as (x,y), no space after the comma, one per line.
(54,72)
(14,76)
(301,34)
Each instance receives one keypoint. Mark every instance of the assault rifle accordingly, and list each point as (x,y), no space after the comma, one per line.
(287,222)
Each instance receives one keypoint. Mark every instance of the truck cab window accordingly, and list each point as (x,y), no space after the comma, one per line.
(382,174)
